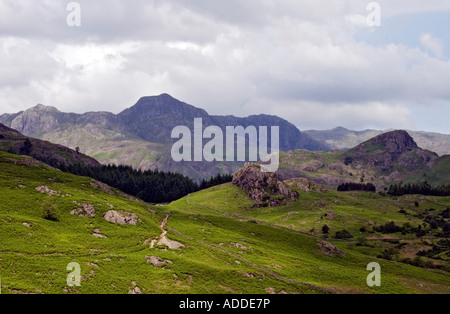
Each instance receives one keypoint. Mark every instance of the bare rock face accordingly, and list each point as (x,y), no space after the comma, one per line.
(122,218)
(264,188)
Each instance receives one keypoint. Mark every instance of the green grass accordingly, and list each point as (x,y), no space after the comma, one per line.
(223,251)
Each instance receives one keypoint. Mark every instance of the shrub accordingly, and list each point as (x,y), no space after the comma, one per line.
(49,210)
(325,229)
(343,234)
(390,227)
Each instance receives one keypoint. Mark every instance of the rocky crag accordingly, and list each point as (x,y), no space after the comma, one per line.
(266,189)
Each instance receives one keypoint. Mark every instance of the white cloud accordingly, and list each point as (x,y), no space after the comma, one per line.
(432,44)
(289,58)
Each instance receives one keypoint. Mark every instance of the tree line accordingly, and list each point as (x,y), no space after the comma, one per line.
(352,186)
(151,186)
(424,188)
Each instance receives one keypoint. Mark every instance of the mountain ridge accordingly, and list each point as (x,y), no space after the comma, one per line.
(140,136)
(342,138)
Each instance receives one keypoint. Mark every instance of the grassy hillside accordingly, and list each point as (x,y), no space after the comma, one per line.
(197,249)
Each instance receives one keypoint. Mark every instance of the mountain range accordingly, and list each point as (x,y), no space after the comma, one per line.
(285,232)
(140,136)
(342,138)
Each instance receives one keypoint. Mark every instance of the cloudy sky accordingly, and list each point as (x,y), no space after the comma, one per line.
(316,63)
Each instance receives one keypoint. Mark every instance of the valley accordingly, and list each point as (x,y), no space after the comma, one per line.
(224,243)
(287,232)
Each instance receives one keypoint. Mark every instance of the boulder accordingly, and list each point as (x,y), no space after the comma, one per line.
(120,217)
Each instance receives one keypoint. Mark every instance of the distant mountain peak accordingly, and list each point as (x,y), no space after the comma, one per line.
(41,107)
(340,128)
(389,150)
(398,141)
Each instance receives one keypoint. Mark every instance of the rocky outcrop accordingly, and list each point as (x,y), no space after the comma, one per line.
(328,249)
(157,261)
(305,185)
(122,218)
(266,189)
(85,210)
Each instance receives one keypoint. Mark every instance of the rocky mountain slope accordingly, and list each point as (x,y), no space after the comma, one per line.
(140,136)
(382,160)
(342,138)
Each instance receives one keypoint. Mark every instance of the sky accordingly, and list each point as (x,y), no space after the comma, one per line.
(316,63)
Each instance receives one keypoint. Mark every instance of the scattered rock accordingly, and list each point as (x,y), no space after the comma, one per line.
(271,290)
(99,235)
(21,186)
(85,210)
(135,289)
(328,249)
(238,246)
(171,244)
(248,275)
(91,264)
(45,190)
(26,224)
(123,218)
(157,261)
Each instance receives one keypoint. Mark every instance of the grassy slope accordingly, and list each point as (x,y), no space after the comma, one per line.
(34,259)
(293,164)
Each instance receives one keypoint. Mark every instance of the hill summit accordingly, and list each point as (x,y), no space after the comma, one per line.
(390,151)
(395,142)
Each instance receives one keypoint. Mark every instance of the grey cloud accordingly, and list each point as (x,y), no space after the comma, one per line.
(288,58)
